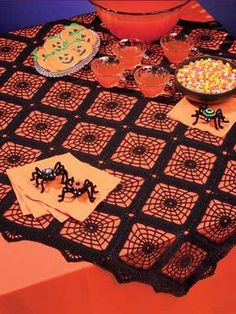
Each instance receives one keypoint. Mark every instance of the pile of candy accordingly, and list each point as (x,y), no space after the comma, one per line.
(207,76)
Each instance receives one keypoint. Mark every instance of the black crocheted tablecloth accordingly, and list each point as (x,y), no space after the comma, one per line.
(173,216)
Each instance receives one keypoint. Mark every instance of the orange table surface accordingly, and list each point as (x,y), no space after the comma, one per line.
(35,279)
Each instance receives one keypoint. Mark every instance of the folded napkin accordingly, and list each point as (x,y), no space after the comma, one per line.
(183,111)
(38,209)
(32,201)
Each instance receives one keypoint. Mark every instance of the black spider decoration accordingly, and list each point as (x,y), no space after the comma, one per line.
(210,114)
(49,174)
(73,187)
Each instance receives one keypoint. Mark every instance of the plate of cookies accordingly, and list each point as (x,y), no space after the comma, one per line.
(67,52)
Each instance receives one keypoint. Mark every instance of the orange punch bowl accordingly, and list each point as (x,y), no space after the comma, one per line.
(143,20)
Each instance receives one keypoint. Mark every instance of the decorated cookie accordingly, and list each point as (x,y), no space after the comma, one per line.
(69,33)
(65,59)
(84,49)
(54,43)
(86,36)
(43,59)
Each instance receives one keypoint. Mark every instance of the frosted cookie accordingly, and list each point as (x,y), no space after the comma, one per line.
(86,36)
(64,60)
(84,49)
(54,43)
(69,33)
(43,59)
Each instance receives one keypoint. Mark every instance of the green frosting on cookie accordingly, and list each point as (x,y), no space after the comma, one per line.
(77,41)
(36,55)
(77,31)
(52,37)
(74,24)
(54,52)
(65,45)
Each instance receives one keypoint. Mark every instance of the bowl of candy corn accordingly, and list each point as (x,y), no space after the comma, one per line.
(206,79)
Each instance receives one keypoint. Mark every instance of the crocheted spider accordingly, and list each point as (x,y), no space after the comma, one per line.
(72,187)
(49,174)
(210,114)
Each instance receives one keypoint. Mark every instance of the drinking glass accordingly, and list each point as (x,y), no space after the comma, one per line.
(130,52)
(107,70)
(151,80)
(176,47)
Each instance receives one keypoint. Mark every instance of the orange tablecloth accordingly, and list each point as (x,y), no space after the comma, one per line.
(35,279)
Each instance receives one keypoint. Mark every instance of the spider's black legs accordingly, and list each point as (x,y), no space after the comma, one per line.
(35,178)
(219,113)
(90,196)
(57,165)
(91,190)
(64,176)
(196,115)
(87,182)
(60,170)
(37,182)
(217,123)
(62,195)
(220,118)
(70,181)
(42,186)
(34,174)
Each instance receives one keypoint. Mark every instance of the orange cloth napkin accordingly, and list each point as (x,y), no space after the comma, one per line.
(184,109)
(32,201)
